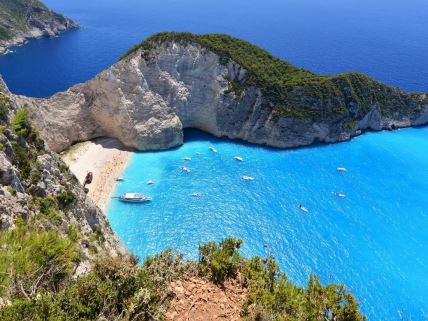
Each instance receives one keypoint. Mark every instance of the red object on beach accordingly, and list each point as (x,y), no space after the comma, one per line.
(88,178)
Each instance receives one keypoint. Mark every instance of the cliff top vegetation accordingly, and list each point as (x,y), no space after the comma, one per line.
(292,91)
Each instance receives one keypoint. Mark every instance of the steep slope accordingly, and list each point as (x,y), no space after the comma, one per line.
(224,86)
(21,20)
(37,189)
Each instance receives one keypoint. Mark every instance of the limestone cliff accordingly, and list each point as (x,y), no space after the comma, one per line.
(226,87)
(37,187)
(21,20)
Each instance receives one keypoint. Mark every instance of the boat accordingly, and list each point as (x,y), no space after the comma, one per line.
(187,159)
(239,158)
(135,198)
(186,169)
(342,195)
(303,209)
(212,149)
(341,169)
(119,179)
(247,178)
(198,154)
(150,182)
(196,194)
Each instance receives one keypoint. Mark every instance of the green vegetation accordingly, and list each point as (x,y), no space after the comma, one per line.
(220,261)
(293,92)
(34,262)
(16,14)
(29,147)
(119,289)
(4,109)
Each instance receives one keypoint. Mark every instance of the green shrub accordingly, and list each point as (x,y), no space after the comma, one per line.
(48,208)
(20,124)
(4,109)
(32,262)
(66,197)
(272,297)
(220,261)
(12,190)
(118,289)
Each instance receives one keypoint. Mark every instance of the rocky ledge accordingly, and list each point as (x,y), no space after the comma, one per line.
(21,20)
(226,87)
(37,187)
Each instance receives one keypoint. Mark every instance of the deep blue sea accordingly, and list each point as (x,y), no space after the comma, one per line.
(375,240)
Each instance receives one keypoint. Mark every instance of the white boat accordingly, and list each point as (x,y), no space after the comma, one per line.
(212,149)
(342,195)
(187,159)
(341,169)
(135,198)
(119,179)
(186,169)
(239,158)
(150,182)
(196,194)
(303,209)
(247,178)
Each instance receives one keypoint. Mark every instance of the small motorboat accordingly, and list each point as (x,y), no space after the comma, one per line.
(187,159)
(341,169)
(212,149)
(239,158)
(119,179)
(198,154)
(186,169)
(196,194)
(135,198)
(341,195)
(150,182)
(303,209)
(247,178)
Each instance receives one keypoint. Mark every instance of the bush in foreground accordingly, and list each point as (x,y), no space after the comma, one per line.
(119,289)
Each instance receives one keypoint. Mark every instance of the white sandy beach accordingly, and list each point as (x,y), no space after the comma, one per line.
(106,158)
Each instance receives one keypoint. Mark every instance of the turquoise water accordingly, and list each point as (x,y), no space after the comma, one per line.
(375,240)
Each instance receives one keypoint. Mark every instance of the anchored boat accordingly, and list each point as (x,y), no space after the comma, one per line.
(303,209)
(247,178)
(186,169)
(212,149)
(239,158)
(135,198)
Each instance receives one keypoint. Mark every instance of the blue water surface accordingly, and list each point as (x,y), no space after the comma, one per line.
(375,240)
(388,39)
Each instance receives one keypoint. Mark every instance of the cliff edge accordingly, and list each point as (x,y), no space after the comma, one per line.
(21,20)
(226,87)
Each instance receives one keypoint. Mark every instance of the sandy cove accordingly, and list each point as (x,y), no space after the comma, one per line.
(106,158)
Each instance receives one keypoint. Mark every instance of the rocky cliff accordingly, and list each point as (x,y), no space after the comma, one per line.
(37,187)
(226,87)
(21,20)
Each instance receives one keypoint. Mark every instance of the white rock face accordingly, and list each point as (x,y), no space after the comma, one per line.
(146,104)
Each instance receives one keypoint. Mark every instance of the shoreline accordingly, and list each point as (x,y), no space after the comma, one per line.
(106,158)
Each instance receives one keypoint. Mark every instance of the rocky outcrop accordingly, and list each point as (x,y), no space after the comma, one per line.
(21,20)
(148,98)
(36,185)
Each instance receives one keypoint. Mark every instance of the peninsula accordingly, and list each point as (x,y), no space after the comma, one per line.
(224,86)
(21,20)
